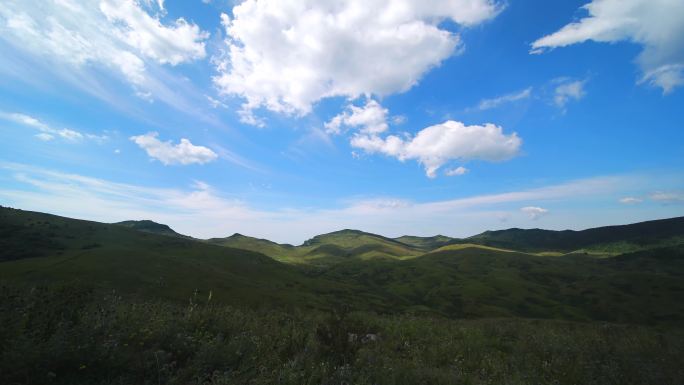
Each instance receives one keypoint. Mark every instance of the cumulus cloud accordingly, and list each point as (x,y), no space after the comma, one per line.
(285,55)
(183,153)
(436,145)
(370,119)
(656,25)
(668,196)
(487,104)
(117,35)
(568,90)
(534,212)
(460,170)
(630,200)
(47,132)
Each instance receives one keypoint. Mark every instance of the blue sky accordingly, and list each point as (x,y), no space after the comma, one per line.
(286,119)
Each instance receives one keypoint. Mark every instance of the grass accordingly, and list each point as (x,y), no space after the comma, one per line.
(72,335)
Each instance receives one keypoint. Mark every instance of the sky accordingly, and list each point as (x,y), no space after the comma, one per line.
(283,119)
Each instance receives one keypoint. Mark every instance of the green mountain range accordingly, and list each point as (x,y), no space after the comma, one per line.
(631,273)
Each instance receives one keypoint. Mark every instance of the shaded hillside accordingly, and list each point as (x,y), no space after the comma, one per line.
(475,282)
(609,239)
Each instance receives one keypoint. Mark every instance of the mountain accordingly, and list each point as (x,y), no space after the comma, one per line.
(358,270)
(608,239)
(150,227)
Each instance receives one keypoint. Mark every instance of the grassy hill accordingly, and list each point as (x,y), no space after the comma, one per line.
(352,268)
(362,245)
(609,239)
(325,249)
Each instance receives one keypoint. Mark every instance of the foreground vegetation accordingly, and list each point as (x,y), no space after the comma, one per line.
(73,335)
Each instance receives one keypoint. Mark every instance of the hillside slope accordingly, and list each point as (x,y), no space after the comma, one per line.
(608,239)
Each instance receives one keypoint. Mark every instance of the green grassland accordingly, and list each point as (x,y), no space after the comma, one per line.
(136,302)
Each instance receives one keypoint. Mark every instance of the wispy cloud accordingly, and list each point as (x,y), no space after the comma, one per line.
(487,104)
(568,90)
(203,211)
(668,196)
(630,200)
(47,132)
(95,46)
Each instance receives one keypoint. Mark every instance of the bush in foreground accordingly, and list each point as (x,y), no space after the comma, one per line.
(71,335)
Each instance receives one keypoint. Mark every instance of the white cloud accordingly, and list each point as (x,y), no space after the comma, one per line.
(436,145)
(568,90)
(116,35)
(214,103)
(203,211)
(370,119)
(181,42)
(460,170)
(169,154)
(399,119)
(534,212)
(668,196)
(630,200)
(44,137)
(654,24)
(487,104)
(47,132)
(285,55)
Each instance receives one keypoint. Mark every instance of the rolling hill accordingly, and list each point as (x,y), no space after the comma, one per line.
(325,249)
(360,270)
(44,249)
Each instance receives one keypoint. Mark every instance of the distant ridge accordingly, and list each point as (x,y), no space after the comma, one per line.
(616,239)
